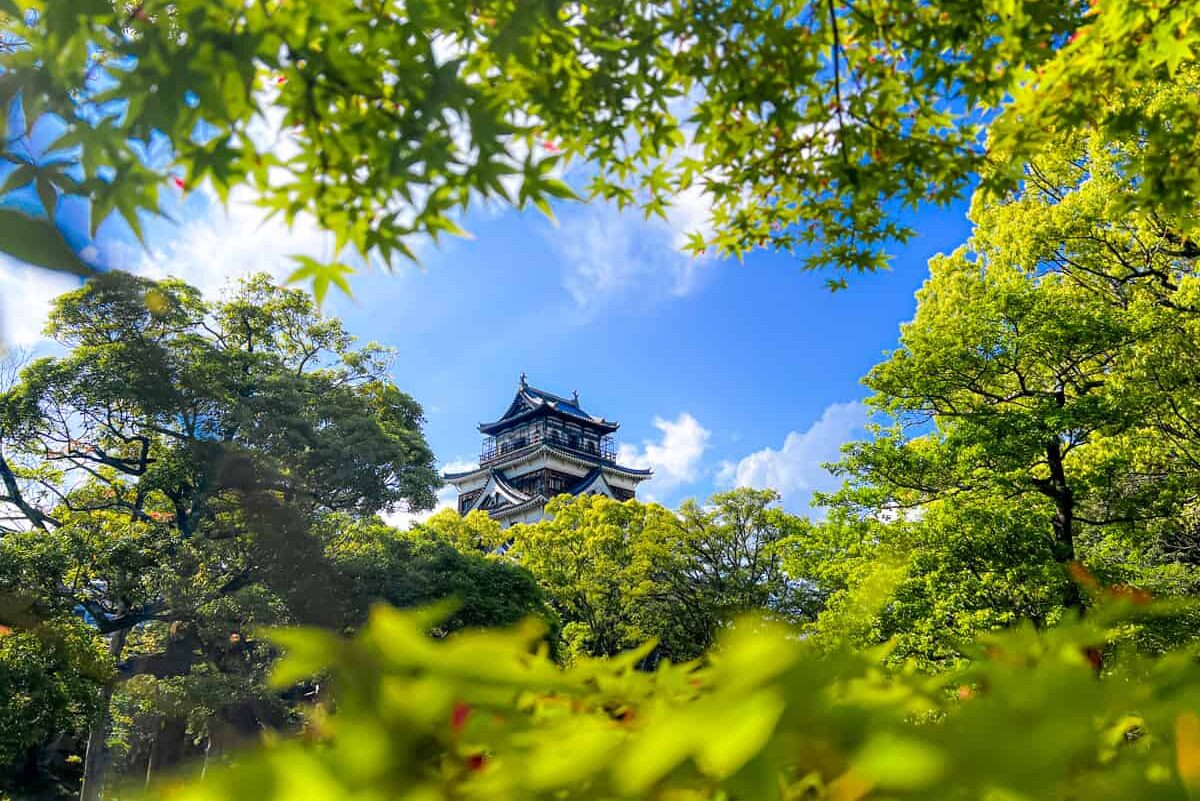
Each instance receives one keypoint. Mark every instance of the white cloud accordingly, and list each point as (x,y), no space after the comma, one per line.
(460,465)
(25,296)
(608,253)
(795,470)
(212,250)
(611,253)
(676,457)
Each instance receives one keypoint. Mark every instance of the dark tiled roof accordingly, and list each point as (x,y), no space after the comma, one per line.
(531,400)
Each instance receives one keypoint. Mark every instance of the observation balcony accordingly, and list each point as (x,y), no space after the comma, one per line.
(602,450)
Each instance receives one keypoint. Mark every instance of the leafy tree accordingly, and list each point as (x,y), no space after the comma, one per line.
(593,558)
(620,574)
(1044,387)
(418,567)
(1080,216)
(1002,379)
(929,587)
(720,561)
(803,122)
(164,475)
(50,676)
(474,532)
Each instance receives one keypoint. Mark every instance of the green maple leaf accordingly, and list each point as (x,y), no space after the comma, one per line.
(321,275)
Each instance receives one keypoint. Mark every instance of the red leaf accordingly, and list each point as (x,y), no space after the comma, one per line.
(459,716)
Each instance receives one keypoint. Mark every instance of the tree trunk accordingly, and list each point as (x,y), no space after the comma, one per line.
(95,761)
(151,762)
(1064,519)
(207,749)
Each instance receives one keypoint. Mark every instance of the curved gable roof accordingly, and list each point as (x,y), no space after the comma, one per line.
(593,483)
(499,487)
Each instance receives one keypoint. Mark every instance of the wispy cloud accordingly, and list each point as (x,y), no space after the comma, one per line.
(795,470)
(222,245)
(212,248)
(608,254)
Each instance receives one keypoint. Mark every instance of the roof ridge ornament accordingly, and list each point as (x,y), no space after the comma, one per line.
(575,397)
(524,380)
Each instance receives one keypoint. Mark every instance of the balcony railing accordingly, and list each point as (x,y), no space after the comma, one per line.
(604,450)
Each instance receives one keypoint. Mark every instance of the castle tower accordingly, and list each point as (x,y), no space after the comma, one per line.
(544,445)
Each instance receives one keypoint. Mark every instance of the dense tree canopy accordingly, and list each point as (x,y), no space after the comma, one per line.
(163,476)
(620,574)
(1039,410)
(1016,374)
(805,122)
(48,680)
(421,566)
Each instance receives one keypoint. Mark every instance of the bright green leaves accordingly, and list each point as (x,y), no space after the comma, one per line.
(321,275)
(580,748)
(307,653)
(416,717)
(719,734)
(1038,401)
(623,574)
(1126,71)
(807,124)
(539,184)
(1187,751)
(889,762)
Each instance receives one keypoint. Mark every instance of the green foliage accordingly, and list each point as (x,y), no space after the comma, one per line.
(621,574)
(806,123)
(49,677)
(594,558)
(767,715)
(179,452)
(419,567)
(167,476)
(36,241)
(930,586)
(1045,368)
(1040,410)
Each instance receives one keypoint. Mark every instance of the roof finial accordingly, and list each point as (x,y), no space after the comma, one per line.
(575,396)
(524,382)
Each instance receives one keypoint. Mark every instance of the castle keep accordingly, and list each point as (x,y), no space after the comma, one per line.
(542,446)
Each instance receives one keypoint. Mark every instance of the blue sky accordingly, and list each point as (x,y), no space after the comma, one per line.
(720,373)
